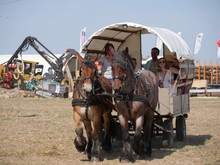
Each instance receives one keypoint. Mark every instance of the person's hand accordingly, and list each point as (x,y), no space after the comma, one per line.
(171,81)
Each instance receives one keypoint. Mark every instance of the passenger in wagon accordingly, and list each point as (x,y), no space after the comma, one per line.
(104,66)
(172,65)
(165,76)
(152,64)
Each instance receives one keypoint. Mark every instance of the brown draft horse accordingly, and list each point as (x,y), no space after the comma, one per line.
(136,95)
(89,110)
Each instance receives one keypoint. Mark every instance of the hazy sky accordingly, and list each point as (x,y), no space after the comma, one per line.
(57,23)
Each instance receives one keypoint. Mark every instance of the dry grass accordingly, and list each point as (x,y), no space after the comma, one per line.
(40,131)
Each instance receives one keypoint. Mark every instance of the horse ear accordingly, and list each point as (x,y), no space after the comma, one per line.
(126,50)
(80,57)
(93,58)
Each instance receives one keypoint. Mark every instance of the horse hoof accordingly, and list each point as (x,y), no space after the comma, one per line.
(96,159)
(107,147)
(127,160)
(148,152)
(80,144)
(136,149)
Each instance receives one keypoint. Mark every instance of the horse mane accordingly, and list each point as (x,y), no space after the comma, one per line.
(89,63)
(122,61)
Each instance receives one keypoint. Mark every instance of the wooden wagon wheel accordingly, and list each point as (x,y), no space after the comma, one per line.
(168,135)
(180,128)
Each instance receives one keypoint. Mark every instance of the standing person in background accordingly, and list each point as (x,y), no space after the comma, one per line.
(105,62)
(152,64)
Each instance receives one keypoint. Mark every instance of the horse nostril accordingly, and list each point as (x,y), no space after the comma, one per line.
(117,89)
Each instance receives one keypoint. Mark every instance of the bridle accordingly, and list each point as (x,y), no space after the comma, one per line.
(124,64)
(88,64)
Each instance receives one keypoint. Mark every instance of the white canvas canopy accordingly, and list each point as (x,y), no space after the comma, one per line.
(175,101)
(126,34)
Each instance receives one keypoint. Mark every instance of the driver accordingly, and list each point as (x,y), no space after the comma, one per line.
(104,67)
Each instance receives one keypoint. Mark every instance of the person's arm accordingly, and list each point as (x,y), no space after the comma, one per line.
(174,70)
(99,67)
(171,80)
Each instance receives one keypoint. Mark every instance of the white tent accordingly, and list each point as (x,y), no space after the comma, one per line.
(126,34)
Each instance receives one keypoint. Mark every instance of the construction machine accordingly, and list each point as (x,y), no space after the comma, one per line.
(31,71)
(19,72)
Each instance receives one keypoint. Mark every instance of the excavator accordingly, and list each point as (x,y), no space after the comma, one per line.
(28,73)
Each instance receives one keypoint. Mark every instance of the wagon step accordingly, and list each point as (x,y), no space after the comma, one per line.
(160,127)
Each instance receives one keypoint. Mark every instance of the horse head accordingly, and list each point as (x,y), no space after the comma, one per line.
(87,73)
(122,69)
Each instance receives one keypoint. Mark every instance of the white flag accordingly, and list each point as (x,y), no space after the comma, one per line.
(198,43)
(218,51)
(159,43)
(82,37)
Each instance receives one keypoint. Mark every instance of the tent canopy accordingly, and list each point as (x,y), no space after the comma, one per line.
(127,34)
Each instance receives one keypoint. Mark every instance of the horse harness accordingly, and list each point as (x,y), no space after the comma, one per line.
(92,99)
(132,96)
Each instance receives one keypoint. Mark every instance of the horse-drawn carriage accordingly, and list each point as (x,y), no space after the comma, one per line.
(169,106)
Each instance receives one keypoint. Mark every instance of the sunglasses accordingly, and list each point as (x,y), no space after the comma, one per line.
(161,61)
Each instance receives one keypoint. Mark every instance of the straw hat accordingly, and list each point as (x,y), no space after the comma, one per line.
(169,57)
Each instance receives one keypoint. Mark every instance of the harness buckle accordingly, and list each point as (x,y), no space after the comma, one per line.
(119,97)
(127,97)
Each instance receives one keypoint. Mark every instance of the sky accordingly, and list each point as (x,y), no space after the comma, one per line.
(57,23)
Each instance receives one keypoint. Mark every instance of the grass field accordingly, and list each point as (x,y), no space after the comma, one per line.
(41,131)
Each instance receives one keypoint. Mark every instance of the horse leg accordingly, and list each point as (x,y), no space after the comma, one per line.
(88,128)
(96,152)
(149,116)
(138,142)
(127,151)
(106,144)
(80,141)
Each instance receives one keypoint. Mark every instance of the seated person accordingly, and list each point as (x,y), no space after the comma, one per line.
(104,66)
(172,65)
(164,76)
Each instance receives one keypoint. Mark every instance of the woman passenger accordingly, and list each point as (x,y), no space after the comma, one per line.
(164,75)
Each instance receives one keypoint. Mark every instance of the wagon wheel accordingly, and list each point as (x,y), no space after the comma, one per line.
(180,128)
(168,135)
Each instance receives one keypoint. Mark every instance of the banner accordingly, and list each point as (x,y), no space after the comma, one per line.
(218,51)
(82,37)
(198,43)
(159,43)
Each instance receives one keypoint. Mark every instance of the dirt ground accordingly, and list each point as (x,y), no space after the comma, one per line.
(37,131)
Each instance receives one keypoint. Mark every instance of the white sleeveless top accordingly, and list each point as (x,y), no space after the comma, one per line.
(106,68)
(166,79)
